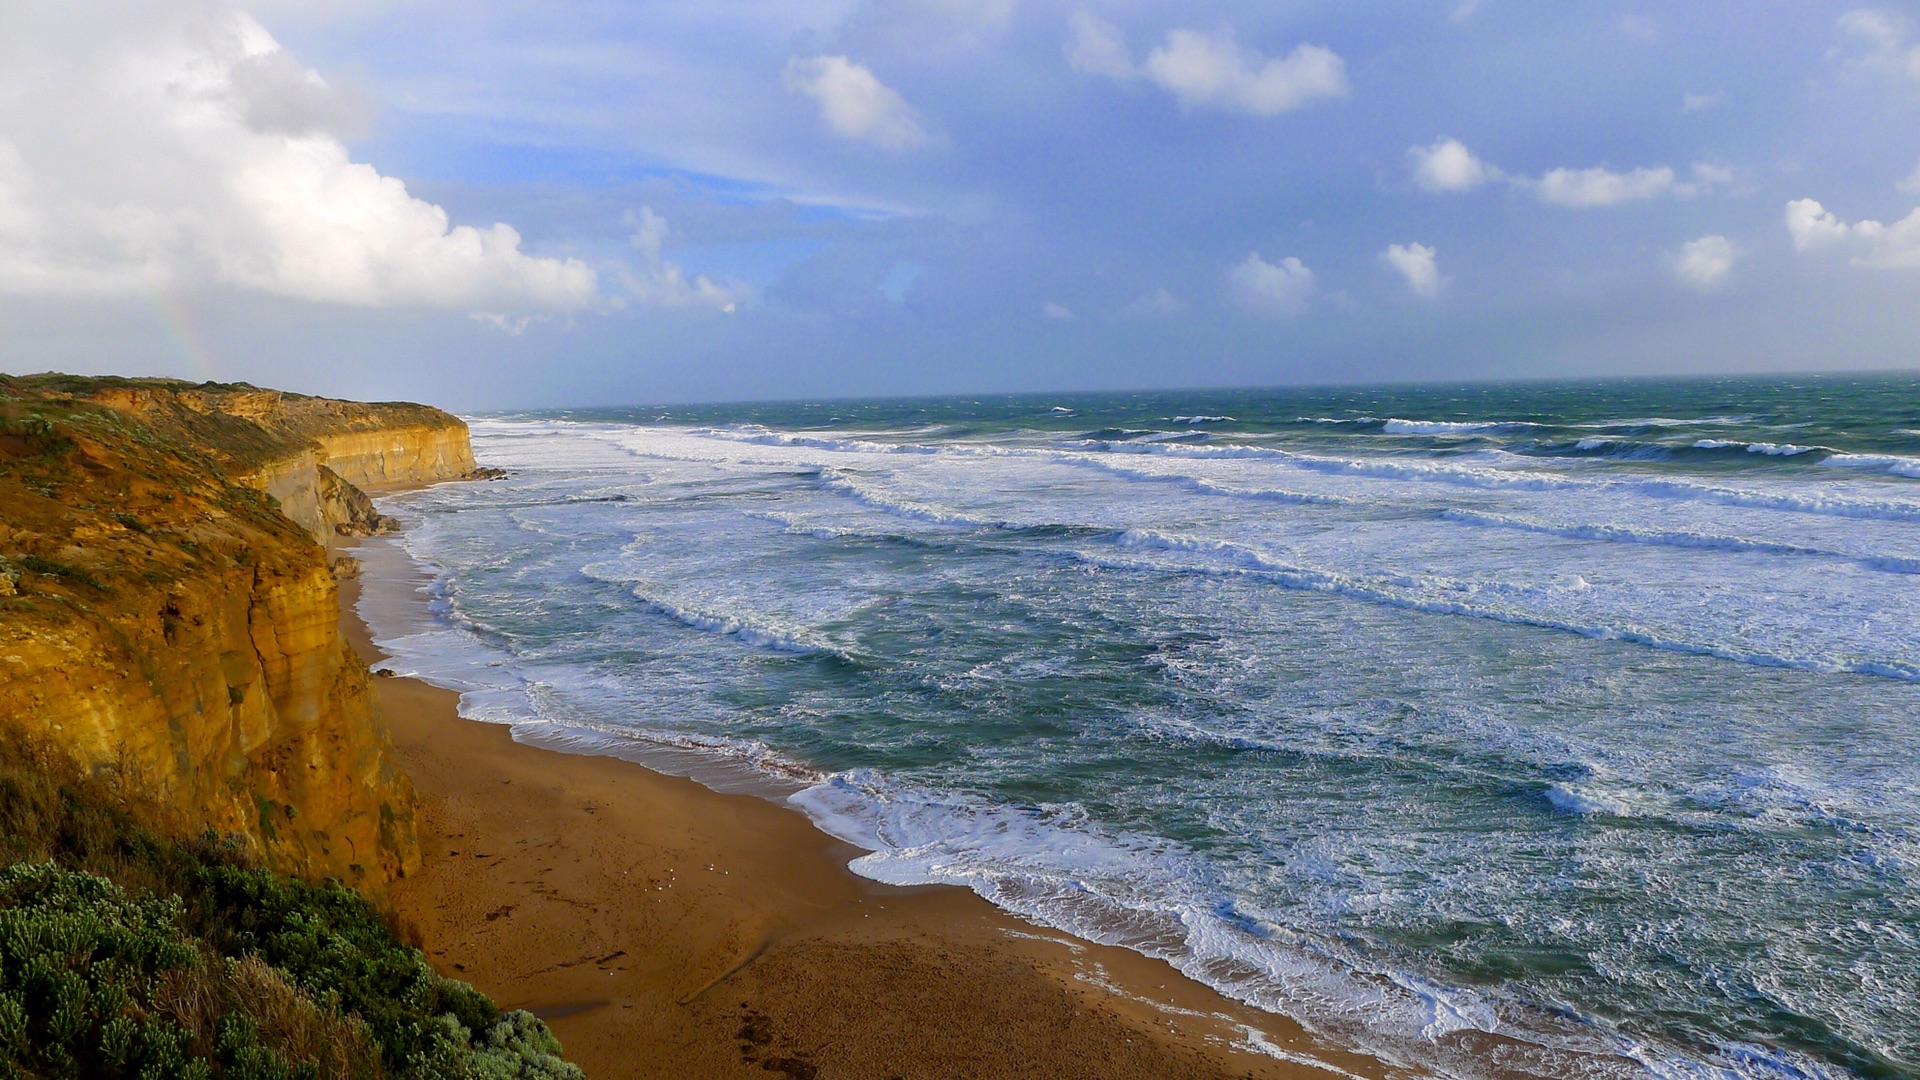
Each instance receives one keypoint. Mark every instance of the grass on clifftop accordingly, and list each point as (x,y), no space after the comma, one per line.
(124,954)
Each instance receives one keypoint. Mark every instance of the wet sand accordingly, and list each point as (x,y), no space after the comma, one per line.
(667,930)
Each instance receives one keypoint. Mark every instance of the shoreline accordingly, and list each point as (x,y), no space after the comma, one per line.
(663,928)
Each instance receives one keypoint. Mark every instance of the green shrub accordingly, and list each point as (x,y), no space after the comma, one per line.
(192,962)
(51,568)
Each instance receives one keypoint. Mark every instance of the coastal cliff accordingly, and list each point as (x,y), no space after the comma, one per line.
(168,620)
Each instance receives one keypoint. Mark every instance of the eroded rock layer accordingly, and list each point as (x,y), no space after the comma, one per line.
(167,618)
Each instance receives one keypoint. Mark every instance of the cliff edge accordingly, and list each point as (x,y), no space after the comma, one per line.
(169,622)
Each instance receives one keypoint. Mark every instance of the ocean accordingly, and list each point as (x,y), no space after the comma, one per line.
(1535,729)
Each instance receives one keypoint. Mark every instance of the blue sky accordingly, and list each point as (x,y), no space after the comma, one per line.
(760,198)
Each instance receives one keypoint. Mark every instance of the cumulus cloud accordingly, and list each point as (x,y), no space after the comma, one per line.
(1213,69)
(854,103)
(1704,264)
(1882,247)
(1448,165)
(189,148)
(1280,290)
(1415,263)
(659,283)
(1210,70)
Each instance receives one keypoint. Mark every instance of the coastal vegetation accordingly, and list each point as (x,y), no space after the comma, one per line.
(127,954)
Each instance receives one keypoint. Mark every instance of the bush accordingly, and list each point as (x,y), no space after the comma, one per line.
(191,962)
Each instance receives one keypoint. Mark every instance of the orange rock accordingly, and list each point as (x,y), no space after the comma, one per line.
(170,625)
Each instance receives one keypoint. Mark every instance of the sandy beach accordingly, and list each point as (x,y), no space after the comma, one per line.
(667,930)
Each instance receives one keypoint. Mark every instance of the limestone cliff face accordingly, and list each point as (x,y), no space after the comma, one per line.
(311,454)
(400,455)
(163,622)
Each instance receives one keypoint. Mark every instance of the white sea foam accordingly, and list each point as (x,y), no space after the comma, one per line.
(733,626)
(1141,893)
(1575,799)
(845,484)
(1155,898)
(1204,486)
(1478,600)
(1627,534)
(1767,448)
(1397,426)
(1670,422)
(1806,500)
(1887,463)
(760,436)
(1203,420)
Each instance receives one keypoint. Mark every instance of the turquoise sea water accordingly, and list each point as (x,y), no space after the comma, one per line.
(1587,715)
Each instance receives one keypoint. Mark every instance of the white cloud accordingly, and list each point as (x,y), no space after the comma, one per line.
(1160,302)
(659,283)
(1876,41)
(1700,102)
(854,103)
(1209,69)
(1448,165)
(1054,310)
(187,148)
(1911,185)
(1583,188)
(1704,264)
(1095,47)
(1881,247)
(1814,226)
(1213,69)
(1267,289)
(1415,262)
(512,325)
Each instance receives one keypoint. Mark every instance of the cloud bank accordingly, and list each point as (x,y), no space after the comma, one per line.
(1881,247)
(190,149)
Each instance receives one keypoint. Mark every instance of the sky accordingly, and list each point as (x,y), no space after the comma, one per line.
(523,203)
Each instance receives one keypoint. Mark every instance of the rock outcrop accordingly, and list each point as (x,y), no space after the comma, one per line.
(167,618)
(313,455)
